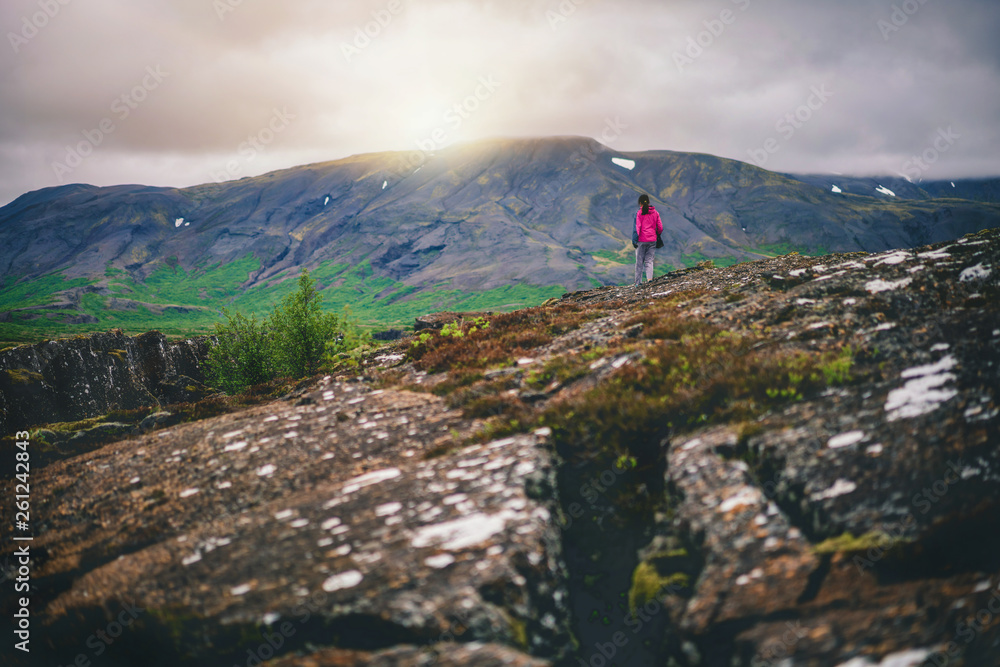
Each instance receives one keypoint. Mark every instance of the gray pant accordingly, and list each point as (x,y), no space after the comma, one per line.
(644,261)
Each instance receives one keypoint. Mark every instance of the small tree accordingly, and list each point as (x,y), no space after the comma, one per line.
(242,357)
(301,330)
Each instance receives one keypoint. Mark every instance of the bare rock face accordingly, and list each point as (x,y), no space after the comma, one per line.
(333,521)
(73,379)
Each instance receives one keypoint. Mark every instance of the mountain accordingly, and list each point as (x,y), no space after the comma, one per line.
(488,225)
(791,461)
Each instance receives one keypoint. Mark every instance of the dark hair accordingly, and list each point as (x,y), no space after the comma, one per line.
(644,202)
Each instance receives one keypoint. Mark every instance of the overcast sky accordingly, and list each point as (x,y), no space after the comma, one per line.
(181,92)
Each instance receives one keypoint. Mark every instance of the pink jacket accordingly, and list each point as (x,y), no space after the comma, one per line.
(648,225)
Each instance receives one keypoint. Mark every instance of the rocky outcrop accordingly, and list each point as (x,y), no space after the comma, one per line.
(343,520)
(73,379)
(786,462)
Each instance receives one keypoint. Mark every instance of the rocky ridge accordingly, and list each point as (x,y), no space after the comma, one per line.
(86,376)
(789,461)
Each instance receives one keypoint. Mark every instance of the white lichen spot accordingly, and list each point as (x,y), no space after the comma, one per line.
(499,444)
(337,582)
(266,471)
(242,589)
(463,532)
(840,488)
(910,658)
(747,495)
(745,579)
(187,493)
(977,272)
(192,559)
(388,509)
(332,522)
(371,478)
(235,446)
(299,523)
(440,561)
(921,394)
(875,450)
(879,285)
(284,514)
(897,257)
(845,439)
(691,445)
(621,361)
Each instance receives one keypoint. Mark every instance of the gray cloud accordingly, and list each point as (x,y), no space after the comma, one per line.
(715,77)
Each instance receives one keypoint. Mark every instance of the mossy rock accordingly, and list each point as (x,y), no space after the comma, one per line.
(848,543)
(648,584)
(23,376)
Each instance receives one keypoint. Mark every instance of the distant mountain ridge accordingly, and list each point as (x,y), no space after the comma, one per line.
(549,214)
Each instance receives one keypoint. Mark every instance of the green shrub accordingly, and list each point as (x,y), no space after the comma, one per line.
(242,356)
(293,341)
(301,330)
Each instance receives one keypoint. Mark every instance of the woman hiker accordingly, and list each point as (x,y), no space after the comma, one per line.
(645,238)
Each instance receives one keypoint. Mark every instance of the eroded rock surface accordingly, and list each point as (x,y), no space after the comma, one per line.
(336,516)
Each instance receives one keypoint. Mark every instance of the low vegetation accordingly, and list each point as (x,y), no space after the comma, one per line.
(296,340)
(667,373)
